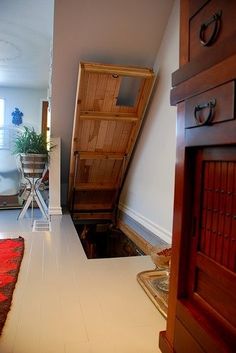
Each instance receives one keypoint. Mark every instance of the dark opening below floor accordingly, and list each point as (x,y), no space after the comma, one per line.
(104,241)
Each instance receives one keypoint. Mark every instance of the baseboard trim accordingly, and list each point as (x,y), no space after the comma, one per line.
(55,211)
(146,223)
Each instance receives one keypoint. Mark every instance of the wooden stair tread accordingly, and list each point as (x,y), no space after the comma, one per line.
(117,69)
(93,207)
(108,116)
(111,101)
(96,186)
(92,216)
(100,155)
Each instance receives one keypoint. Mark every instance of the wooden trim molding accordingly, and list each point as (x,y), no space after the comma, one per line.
(44,117)
(135,237)
(157,230)
(164,344)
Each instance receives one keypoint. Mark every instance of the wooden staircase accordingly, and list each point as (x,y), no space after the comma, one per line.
(110,106)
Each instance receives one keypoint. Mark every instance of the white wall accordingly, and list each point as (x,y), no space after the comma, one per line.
(148,192)
(126,32)
(28,100)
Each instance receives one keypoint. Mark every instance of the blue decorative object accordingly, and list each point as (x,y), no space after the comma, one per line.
(17,117)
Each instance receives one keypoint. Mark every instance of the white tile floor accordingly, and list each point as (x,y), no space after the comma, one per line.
(65,303)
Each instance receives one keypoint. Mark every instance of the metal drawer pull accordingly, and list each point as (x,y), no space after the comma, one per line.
(209,105)
(216,19)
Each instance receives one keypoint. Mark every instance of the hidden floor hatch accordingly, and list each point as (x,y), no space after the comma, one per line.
(105,241)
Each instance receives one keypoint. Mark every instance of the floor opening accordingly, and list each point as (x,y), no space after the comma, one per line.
(104,241)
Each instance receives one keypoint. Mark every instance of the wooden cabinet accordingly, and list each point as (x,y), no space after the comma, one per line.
(210,26)
(202,309)
(110,106)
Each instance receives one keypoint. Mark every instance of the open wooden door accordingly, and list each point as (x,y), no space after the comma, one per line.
(110,105)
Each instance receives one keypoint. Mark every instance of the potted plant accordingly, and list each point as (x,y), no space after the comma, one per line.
(33,149)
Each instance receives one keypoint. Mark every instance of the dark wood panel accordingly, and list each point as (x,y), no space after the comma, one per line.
(195,6)
(184,33)
(178,223)
(205,329)
(215,185)
(220,52)
(216,296)
(210,282)
(184,340)
(216,270)
(217,75)
(217,218)
(216,134)
(202,280)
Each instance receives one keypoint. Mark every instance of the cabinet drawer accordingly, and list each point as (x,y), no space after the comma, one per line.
(212,25)
(211,107)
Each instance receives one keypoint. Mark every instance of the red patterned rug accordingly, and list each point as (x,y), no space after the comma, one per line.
(11,254)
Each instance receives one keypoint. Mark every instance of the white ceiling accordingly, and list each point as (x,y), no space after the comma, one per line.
(25,41)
